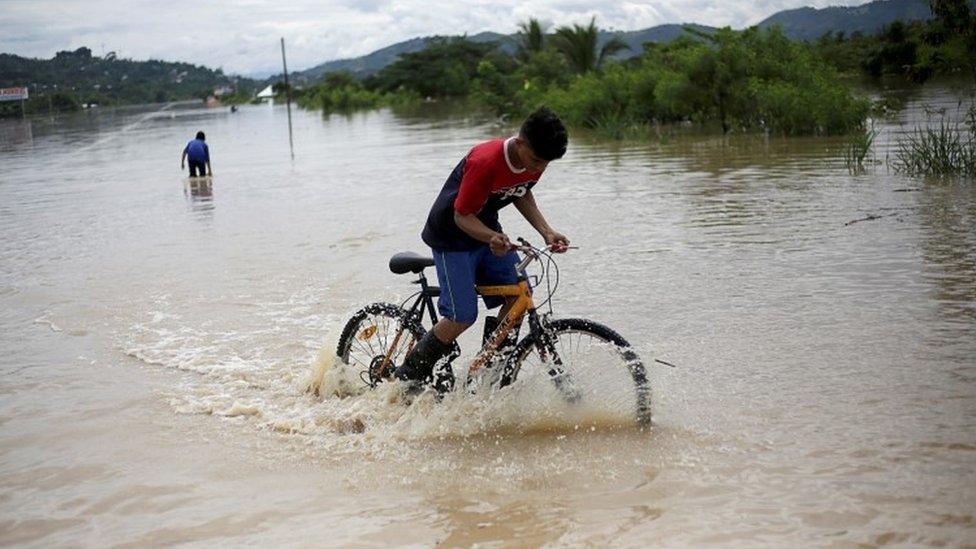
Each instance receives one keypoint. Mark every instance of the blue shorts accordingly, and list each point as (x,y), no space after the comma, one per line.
(459,272)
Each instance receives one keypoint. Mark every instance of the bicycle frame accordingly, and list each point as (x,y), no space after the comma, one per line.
(522,303)
(424,302)
(519,303)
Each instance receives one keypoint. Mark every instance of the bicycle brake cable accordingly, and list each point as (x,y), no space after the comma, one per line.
(411,296)
(548,266)
(552,267)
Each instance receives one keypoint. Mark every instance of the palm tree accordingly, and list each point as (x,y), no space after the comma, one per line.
(531,38)
(579,45)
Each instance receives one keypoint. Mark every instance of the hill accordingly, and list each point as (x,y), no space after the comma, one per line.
(867,19)
(82,77)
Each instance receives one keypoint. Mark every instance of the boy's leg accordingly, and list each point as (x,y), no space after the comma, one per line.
(458,305)
(456,274)
(494,270)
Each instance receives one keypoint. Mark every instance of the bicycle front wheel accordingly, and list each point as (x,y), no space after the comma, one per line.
(583,363)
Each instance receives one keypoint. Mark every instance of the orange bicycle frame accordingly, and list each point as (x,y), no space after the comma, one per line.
(523,303)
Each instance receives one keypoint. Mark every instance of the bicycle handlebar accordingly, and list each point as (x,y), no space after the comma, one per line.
(533,254)
(524,246)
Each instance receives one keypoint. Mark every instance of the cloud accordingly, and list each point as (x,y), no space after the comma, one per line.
(242,36)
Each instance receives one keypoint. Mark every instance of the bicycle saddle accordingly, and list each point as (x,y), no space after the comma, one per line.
(404,262)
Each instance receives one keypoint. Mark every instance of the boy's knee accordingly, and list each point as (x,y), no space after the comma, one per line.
(465,320)
(449,329)
(463,310)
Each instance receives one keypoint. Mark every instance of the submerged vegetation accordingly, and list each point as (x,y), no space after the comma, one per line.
(749,80)
(945,149)
(858,146)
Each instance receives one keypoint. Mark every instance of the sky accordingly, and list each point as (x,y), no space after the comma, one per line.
(242,36)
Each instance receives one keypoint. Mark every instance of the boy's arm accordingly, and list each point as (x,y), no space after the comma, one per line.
(477,230)
(473,193)
(530,210)
(183,160)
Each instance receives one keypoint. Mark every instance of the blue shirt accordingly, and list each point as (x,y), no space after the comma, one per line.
(197,151)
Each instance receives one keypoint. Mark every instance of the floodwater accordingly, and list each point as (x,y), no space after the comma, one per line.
(158,335)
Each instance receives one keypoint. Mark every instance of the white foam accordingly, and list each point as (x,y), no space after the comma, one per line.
(279,374)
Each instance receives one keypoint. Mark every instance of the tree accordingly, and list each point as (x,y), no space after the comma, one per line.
(579,45)
(719,72)
(531,38)
(956,18)
(339,79)
(954,15)
(443,69)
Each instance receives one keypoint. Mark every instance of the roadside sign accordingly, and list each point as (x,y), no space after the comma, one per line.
(13,94)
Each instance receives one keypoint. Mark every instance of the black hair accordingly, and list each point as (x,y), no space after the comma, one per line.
(201,137)
(545,133)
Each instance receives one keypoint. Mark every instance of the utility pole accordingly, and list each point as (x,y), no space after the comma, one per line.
(284,64)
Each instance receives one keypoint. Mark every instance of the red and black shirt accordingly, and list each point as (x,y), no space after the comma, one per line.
(482,183)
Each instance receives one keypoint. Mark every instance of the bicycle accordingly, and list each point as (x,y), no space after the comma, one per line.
(378,336)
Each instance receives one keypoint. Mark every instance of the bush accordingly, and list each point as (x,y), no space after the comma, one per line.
(493,89)
(754,79)
(339,92)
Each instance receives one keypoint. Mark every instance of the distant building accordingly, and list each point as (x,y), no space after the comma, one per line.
(267,94)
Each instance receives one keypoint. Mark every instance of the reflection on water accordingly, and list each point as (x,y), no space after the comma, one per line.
(947,214)
(199,193)
(153,380)
(16,133)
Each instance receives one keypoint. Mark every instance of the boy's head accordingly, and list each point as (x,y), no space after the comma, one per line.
(201,137)
(545,135)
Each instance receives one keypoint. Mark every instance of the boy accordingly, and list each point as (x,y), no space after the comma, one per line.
(199,155)
(468,243)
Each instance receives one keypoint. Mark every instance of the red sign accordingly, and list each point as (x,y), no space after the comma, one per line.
(13,94)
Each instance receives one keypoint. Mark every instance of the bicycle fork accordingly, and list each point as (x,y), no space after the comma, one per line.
(546,347)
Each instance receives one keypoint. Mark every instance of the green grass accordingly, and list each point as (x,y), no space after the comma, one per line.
(858,146)
(945,149)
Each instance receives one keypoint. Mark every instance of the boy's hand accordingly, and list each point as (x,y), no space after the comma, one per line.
(557,242)
(500,245)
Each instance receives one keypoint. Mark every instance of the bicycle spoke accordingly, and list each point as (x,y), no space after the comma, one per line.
(383,334)
(382,323)
(368,351)
(402,346)
(359,362)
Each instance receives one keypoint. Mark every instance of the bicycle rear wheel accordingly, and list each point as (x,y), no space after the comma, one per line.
(584,363)
(370,333)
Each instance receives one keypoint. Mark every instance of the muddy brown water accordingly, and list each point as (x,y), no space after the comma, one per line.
(157,335)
